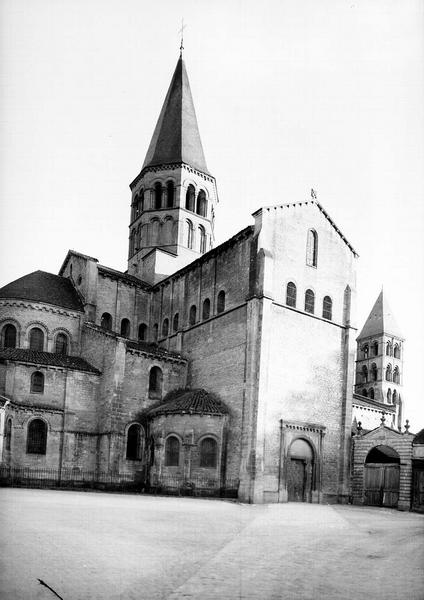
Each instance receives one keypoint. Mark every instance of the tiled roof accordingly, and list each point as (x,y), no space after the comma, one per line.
(40,286)
(152,349)
(176,137)
(197,401)
(113,273)
(47,358)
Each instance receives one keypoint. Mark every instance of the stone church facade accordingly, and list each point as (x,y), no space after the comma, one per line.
(226,369)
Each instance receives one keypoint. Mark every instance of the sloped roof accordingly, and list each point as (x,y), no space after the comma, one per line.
(47,358)
(176,136)
(380,320)
(419,438)
(197,401)
(40,286)
(152,348)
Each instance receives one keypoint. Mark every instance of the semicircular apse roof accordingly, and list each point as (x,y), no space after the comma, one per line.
(41,286)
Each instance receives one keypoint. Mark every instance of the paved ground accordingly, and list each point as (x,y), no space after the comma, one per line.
(112,546)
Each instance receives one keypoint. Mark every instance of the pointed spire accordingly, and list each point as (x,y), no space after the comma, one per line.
(176,137)
(381,320)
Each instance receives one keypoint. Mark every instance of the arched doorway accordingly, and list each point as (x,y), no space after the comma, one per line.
(300,471)
(381,477)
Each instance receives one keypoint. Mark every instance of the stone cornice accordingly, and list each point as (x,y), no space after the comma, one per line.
(40,307)
(170,167)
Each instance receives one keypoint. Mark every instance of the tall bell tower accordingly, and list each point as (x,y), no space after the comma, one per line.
(379,364)
(173,198)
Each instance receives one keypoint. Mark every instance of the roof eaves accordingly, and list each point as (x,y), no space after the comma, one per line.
(321,208)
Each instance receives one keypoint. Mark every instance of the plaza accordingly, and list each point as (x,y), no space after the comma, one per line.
(98,545)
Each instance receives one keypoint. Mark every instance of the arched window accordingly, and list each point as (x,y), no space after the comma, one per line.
(158,195)
(36,339)
(388,349)
(134,208)
(175,322)
(155,332)
(125,328)
(374,372)
(394,397)
(170,194)
(61,346)
(202,238)
(365,350)
(134,442)
(309,301)
(9,336)
(220,305)
(396,351)
(140,206)
(327,308)
(389,395)
(155,382)
(133,236)
(192,315)
(371,393)
(291,293)
(172,451)
(142,332)
(8,441)
(190,198)
(375,348)
(389,373)
(37,437)
(106,321)
(208,453)
(37,383)
(365,393)
(206,310)
(165,327)
(189,234)
(364,374)
(396,376)
(201,207)
(312,248)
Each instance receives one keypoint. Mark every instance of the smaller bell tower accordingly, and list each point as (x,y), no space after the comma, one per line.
(379,364)
(174,197)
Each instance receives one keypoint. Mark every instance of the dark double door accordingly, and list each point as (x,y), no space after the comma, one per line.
(381,484)
(298,480)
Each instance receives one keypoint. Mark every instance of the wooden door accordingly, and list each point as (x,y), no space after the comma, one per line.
(381,482)
(418,490)
(391,485)
(373,484)
(296,479)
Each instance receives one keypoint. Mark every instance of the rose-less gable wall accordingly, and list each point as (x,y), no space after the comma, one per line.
(305,363)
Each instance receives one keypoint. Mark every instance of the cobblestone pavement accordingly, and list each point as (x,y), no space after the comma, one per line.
(115,546)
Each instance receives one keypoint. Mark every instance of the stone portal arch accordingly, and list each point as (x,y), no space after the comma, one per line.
(381,476)
(300,471)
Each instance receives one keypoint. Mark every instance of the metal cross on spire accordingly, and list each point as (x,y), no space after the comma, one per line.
(182,37)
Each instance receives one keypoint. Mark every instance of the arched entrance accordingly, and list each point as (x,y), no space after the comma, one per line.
(300,471)
(381,477)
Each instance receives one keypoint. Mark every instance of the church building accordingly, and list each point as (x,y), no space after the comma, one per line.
(223,369)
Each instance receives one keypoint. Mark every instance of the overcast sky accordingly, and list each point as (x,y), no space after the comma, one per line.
(290,95)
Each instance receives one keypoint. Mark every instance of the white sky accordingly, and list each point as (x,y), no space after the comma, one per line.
(289,95)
